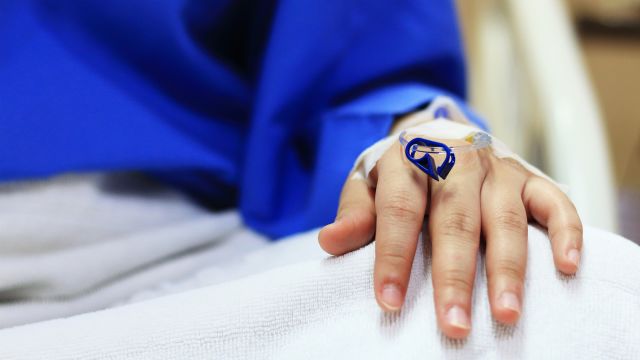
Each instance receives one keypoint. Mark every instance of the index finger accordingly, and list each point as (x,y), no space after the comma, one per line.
(401,199)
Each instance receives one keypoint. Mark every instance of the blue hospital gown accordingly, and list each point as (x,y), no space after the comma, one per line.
(263,105)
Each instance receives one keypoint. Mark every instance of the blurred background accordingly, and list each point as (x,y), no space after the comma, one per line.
(559,81)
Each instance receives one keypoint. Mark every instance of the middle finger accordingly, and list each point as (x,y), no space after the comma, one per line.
(454,226)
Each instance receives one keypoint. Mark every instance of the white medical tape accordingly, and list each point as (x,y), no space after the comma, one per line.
(426,124)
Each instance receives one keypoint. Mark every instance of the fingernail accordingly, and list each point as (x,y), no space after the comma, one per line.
(574,256)
(457,317)
(391,297)
(509,300)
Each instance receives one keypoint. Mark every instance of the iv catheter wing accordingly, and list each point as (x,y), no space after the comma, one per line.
(416,153)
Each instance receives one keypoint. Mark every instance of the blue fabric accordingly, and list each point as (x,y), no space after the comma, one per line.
(260,104)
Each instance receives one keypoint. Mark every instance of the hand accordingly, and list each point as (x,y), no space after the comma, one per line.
(482,193)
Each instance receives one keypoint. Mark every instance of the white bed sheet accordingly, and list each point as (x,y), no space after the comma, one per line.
(324,309)
(245,299)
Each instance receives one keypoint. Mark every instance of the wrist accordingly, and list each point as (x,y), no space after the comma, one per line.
(409,120)
(440,108)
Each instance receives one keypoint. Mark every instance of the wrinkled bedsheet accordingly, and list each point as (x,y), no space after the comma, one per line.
(232,295)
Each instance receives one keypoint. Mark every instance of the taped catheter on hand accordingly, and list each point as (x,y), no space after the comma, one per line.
(419,151)
(442,120)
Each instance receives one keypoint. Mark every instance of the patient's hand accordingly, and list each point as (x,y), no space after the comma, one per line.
(483,194)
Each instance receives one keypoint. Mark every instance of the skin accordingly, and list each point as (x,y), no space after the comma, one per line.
(482,195)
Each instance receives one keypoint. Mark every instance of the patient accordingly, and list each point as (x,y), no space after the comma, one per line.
(265,106)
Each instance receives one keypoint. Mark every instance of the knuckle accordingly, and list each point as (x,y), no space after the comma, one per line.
(573,229)
(506,267)
(460,224)
(348,205)
(343,208)
(358,220)
(470,158)
(458,280)
(511,220)
(400,207)
(395,256)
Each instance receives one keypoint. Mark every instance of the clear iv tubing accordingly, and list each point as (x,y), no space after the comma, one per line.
(475,141)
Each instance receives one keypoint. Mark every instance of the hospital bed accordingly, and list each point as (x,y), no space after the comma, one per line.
(527,77)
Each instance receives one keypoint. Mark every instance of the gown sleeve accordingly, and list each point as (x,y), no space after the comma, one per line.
(334,76)
(259,105)
(348,130)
